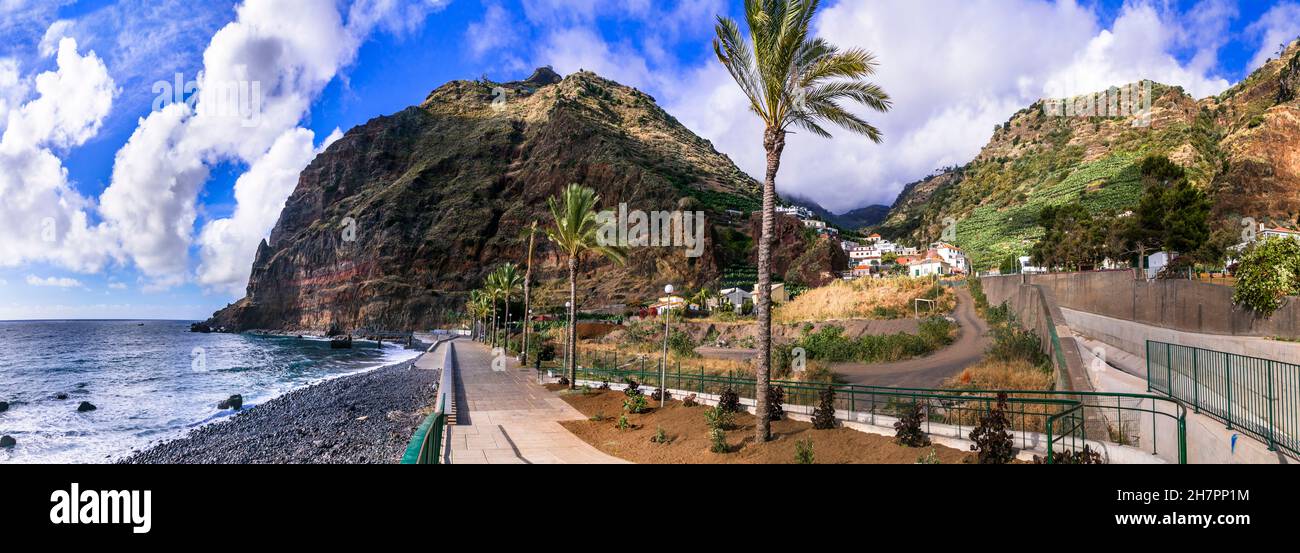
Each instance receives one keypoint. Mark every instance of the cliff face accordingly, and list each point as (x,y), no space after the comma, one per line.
(1242,146)
(394,222)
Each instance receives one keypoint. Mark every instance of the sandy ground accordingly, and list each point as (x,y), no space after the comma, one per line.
(687,433)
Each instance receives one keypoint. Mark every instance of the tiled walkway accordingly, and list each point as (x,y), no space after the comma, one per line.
(505,417)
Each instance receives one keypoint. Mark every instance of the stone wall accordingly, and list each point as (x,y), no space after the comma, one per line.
(1175,304)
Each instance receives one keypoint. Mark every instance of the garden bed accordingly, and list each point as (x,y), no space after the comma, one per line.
(687,435)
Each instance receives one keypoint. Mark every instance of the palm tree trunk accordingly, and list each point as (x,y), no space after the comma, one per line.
(572,338)
(507,326)
(774,143)
(494,323)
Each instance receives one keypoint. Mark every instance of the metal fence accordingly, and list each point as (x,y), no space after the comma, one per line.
(425,447)
(1038,419)
(1260,397)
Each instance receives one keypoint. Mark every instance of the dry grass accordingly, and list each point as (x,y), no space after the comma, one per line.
(1003,375)
(864,298)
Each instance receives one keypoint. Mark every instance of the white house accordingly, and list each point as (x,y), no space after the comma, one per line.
(736,297)
(814,224)
(952,255)
(1027,267)
(779,295)
(929,266)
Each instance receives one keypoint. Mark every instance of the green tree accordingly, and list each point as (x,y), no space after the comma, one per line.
(574,231)
(506,280)
(790,79)
(1269,271)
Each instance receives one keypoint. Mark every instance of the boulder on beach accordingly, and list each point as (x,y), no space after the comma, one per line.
(235,402)
(8,441)
(86,406)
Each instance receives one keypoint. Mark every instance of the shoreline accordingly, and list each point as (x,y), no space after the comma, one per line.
(362,417)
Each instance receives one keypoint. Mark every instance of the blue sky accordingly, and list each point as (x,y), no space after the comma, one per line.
(152,227)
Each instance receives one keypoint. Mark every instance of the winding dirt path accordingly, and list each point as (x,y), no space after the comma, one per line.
(929,371)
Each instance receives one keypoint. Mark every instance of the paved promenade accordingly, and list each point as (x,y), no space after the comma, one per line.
(505,417)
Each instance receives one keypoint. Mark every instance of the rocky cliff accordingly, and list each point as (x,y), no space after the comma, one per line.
(394,222)
(1242,146)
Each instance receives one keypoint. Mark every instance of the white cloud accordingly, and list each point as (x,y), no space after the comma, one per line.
(1279,25)
(116,286)
(41,216)
(495,32)
(53,282)
(228,245)
(292,51)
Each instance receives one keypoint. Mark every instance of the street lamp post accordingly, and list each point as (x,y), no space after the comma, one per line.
(565,370)
(663,367)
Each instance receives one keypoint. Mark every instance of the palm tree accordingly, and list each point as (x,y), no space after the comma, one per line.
(477,308)
(790,79)
(507,281)
(528,306)
(492,289)
(575,234)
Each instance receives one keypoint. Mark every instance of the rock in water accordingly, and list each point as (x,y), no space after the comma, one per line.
(60,395)
(235,402)
(4,406)
(200,327)
(8,441)
(85,406)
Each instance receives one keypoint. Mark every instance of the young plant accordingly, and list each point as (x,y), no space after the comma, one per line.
(824,415)
(635,404)
(660,436)
(729,401)
(775,403)
(656,395)
(718,441)
(719,418)
(931,458)
(623,423)
(632,389)
(598,417)
(992,441)
(690,401)
(1085,456)
(909,427)
(803,452)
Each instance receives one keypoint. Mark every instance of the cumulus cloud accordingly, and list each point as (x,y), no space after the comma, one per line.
(1279,25)
(42,216)
(289,52)
(53,282)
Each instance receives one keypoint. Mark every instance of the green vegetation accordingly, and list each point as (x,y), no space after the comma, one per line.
(830,345)
(1268,273)
(803,452)
(992,441)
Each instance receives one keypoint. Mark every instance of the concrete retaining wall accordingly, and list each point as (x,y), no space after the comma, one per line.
(1176,304)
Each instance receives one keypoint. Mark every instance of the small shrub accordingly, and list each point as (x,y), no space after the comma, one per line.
(660,437)
(598,417)
(729,401)
(992,441)
(775,403)
(909,429)
(635,404)
(691,401)
(824,415)
(803,452)
(632,389)
(604,386)
(718,441)
(659,394)
(623,423)
(931,458)
(717,417)
(564,381)
(1085,456)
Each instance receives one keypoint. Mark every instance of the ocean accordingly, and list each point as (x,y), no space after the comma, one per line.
(149,381)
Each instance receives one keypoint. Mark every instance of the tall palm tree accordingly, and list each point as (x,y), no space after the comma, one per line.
(574,232)
(790,80)
(507,281)
(492,289)
(477,308)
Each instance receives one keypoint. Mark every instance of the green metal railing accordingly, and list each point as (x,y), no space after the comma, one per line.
(425,447)
(1055,417)
(1260,397)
